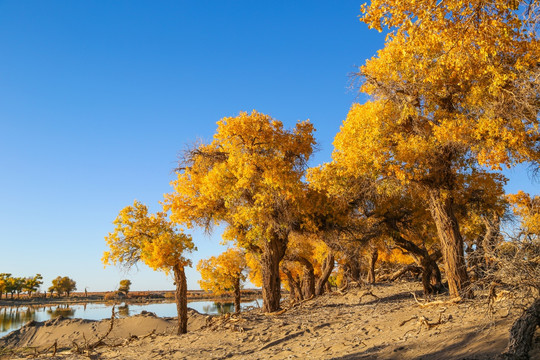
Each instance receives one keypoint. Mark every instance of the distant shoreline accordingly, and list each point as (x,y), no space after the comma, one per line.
(135,297)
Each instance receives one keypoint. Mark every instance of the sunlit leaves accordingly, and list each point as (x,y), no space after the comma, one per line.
(249,177)
(150,238)
(224,272)
(468,69)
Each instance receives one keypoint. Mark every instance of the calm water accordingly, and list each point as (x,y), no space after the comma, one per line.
(12,318)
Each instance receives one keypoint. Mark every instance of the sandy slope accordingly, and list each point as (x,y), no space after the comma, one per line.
(355,325)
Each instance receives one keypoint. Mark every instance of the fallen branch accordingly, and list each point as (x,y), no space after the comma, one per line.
(100,340)
(437,302)
(275,313)
(367,293)
(89,347)
(406,321)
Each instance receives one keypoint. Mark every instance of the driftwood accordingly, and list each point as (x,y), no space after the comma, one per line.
(437,302)
(522,333)
(99,342)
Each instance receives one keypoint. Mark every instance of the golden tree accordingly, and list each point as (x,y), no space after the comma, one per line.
(307,265)
(249,177)
(224,273)
(154,240)
(456,86)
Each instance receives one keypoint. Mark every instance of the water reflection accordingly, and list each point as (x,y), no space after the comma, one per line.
(123,310)
(218,308)
(15,317)
(61,310)
(12,318)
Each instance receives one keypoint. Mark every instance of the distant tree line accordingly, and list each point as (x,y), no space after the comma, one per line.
(15,285)
(11,285)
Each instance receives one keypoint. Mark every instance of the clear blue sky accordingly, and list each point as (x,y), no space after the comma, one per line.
(97,98)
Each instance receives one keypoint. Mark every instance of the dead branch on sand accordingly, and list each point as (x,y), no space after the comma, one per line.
(455,300)
(99,342)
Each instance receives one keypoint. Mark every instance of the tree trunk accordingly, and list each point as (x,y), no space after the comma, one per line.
(352,269)
(491,238)
(452,243)
(522,334)
(327,267)
(308,281)
(431,275)
(273,252)
(308,275)
(181,298)
(237,296)
(372,261)
(296,290)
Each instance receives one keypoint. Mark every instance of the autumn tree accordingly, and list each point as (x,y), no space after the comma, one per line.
(32,284)
(455,88)
(63,285)
(250,178)
(4,283)
(224,273)
(154,240)
(124,286)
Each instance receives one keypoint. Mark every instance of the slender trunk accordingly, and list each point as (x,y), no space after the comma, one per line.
(492,236)
(328,287)
(308,275)
(237,295)
(273,252)
(452,243)
(372,262)
(181,298)
(296,290)
(327,267)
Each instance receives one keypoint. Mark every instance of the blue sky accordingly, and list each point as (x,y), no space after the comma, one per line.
(98,98)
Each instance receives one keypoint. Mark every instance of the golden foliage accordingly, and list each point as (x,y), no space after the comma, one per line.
(528,209)
(249,176)
(462,74)
(150,238)
(223,273)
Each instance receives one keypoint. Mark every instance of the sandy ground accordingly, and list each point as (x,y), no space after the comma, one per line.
(387,323)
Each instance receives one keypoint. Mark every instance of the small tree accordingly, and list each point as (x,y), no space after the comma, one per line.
(124,286)
(32,285)
(4,283)
(152,239)
(224,273)
(63,285)
(68,285)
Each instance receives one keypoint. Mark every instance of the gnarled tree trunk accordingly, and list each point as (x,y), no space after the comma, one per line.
(522,333)
(273,252)
(452,243)
(431,275)
(327,267)
(374,255)
(181,298)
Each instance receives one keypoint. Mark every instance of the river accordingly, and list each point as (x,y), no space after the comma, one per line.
(13,318)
